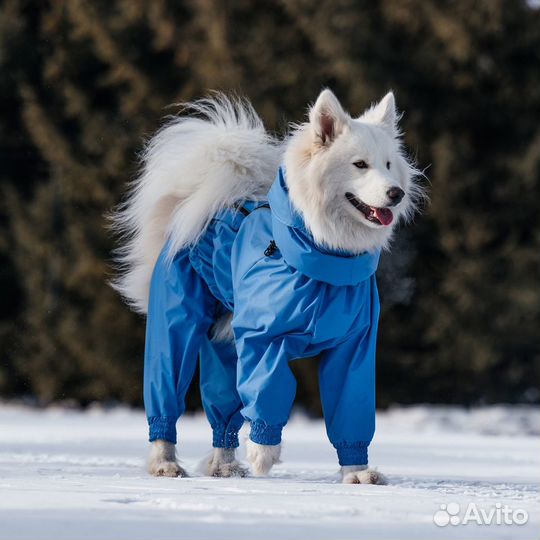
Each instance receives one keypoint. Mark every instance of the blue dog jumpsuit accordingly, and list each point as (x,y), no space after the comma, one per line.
(290,299)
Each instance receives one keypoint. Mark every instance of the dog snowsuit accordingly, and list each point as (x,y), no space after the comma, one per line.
(290,299)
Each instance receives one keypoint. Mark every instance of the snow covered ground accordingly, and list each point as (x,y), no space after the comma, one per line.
(73,475)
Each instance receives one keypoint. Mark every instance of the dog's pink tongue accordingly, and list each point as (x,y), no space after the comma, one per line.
(384,215)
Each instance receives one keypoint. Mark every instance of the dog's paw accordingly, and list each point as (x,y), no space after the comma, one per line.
(162,460)
(262,457)
(226,470)
(166,468)
(364,476)
(223,464)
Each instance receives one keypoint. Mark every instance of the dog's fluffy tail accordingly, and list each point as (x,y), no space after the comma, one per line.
(193,167)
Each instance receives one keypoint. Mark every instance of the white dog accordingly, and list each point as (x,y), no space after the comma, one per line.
(344,185)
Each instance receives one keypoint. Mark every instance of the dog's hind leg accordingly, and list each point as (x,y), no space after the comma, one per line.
(179,317)
(222,405)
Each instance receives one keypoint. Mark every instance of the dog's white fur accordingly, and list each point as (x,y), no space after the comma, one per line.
(196,165)
(222,462)
(319,157)
(262,457)
(362,474)
(162,460)
(192,168)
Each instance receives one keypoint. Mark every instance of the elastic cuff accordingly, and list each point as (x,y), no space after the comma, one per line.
(264,434)
(352,453)
(162,427)
(225,437)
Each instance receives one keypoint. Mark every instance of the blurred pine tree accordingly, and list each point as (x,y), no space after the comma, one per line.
(82,83)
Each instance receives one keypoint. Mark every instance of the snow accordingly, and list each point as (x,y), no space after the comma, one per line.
(68,474)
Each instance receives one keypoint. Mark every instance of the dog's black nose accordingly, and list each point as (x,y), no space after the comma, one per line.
(395,195)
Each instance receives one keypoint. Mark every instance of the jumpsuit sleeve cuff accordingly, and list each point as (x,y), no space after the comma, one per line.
(355,453)
(224,437)
(163,428)
(262,433)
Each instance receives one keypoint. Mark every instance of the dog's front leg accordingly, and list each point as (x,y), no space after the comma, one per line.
(162,460)
(361,474)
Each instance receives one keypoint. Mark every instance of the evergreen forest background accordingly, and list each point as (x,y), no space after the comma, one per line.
(82,83)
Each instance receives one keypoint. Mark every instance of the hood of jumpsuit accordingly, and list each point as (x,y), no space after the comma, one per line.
(299,250)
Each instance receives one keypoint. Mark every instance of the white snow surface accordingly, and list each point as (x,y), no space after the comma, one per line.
(74,475)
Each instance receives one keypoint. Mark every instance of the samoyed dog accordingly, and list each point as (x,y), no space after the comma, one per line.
(247,252)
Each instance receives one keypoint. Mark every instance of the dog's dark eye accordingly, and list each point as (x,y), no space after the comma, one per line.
(388,165)
(361,164)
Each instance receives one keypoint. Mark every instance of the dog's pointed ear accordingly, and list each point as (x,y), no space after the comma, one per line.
(383,113)
(327,118)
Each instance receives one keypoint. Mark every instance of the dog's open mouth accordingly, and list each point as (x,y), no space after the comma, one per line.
(380,216)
